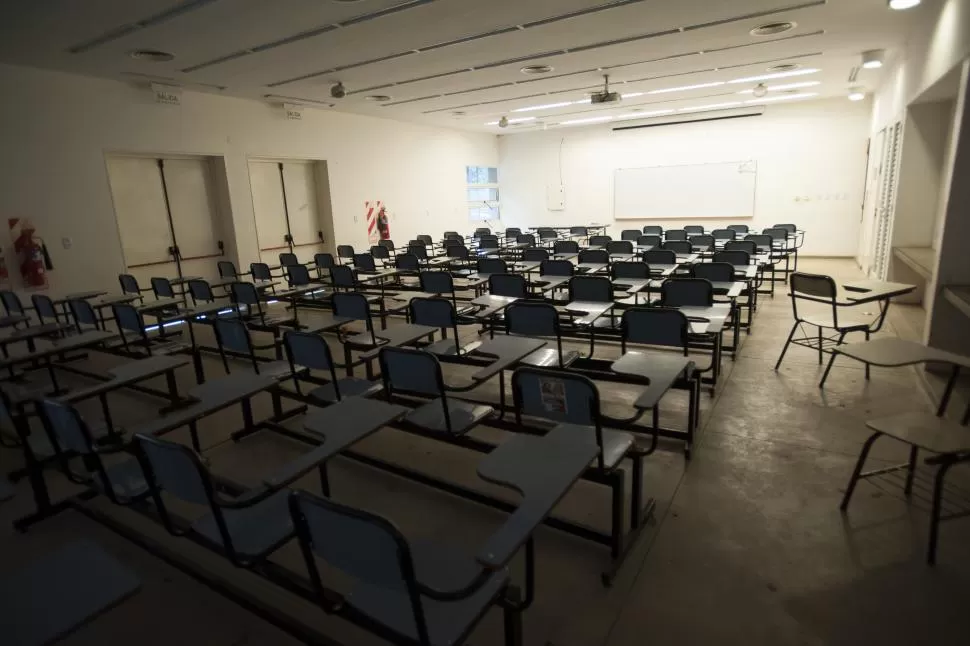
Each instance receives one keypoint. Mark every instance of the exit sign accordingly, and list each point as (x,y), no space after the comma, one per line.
(167,94)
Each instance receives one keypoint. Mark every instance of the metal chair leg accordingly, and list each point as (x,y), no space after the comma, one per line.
(867,365)
(787,342)
(911,470)
(858,470)
(935,514)
(820,345)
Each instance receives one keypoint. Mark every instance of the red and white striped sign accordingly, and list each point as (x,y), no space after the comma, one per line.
(373,208)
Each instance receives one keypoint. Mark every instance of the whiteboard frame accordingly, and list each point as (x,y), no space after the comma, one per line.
(754,197)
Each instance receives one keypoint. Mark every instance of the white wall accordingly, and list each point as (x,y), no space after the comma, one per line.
(57,128)
(814,150)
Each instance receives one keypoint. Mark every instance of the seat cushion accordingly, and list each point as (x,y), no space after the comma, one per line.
(254,530)
(349,387)
(463,415)
(441,568)
(615,443)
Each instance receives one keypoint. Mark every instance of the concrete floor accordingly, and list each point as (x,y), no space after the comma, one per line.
(747,547)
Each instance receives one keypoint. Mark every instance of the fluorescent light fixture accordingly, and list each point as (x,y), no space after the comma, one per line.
(900,5)
(856,94)
(872,59)
(783,97)
(684,88)
(787,86)
(644,115)
(152,328)
(574,122)
(633,95)
(516,120)
(776,75)
(547,106)
(711,106)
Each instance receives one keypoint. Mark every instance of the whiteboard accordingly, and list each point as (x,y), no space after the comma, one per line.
(709,191)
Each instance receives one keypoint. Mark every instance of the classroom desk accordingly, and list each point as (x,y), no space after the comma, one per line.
(589,311)
(407,297)
(525,267)
(730,289)
(659,269)
(209,398)
(542,470)
(566,255)
(492,304)
(128,374)
(507,351)
(183,280)
(623,257)
(868,291)
(10,321)
(633,285)
(30,334)
(82,296)
(391,337)
(659,369)
(54,347)
(894,353)
(549,283)
(153,307)
(589,268)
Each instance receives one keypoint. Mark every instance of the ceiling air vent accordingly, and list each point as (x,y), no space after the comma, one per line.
(772,29)
(151,55)
(784,67)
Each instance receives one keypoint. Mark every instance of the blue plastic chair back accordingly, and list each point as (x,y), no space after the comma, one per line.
(380,252)
(365,262)
(345,251)
(162,287)
(678,246)
(308,350)
(556,268)
(653,230)
(459,252)
(227,269)
(510,285)
(631,269)
(351,305)
(760,239)
(649,241)
(65,425)
(560,397)
(566,246)
(532,319)
(596,289)
(407,262)
(174,470)
(660,257)
(83,313)
(201,291)
(620,246)
(492,266)
(260,271)
(127,318)
(288,259)
(724,234)
(437,282)
(739,228)
(535,255)
(735,257)
(488,242)
(594,256)
(232,334)
(747,246)
(244,293)
(600,241)
(655,326)
(343,276)
(298,275)
(323,260)
(435,312)
(675,234)
(702,240)
(129,284)
(629,234)
(44,307)
(686,292)
(716,272)
(411,371)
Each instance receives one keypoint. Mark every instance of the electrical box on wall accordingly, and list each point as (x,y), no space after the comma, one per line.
(555,197)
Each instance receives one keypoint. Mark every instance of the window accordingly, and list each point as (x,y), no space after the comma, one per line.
(482,193)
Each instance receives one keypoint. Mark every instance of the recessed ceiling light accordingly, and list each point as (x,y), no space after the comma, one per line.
(379,98)
(684,88)
(536,69)
(899,5)
(773,28)
(856,94)
(777,75)
(872,59)
(152,55)
(784,67)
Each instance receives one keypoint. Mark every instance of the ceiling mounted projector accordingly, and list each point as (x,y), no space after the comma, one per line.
(338,91)
(605,96)
(503,122)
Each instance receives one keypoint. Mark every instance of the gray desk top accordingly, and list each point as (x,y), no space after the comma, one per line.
(129,373)
(542,469)
(492,304)
(66,344)
(183,280)
(28,333)
(210,397)
(894,352)
(407,297)
(623,257)
(866,291)
(589,310)
(398,335)
(378,275)
(8,321)
(731,289)
(592,267)
(660,369)
(340,425)
(926,431)
(565,255)
(114,300)
(662,269)
(525,266)
(160,304)
(335,321)
(716,315)
(548,283)
(82,296)
(507,350)
(50,597)
(633,285)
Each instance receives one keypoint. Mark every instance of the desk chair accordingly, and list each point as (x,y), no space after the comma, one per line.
(489,244)
(594,289)
(658,326)
(397,588)
(595,256)
(458,254)
(574,402)
(534,255)
(632,269)
(733,257)
(299,276)
(406,371)
(425,239)
(227,269)
(130,321)
(547,237)
(492,266)
(129,285)
(693,229)
(653,230)
(353,305)
(44,307)
(201,291)
(739,228)
(702,240)
(579,232)
(260,271)
(649,240)
(565,246)
(246,295)
(620,246)
(345,252)
(452,234)
(512,232)
(246,529)
(410,265)
(233,338)
(288,259)
(323,262)
(747,246)
(442,284)
(381,254)
(481,231)
(792,231)
(816,288)
(555,267)
(686,292)
(69,436)
(539,320)
(630,234)
(761,240)
(599,241)
(386,244)
(439,313)
(365,262)
(510,285)
(675,234)
(660,257)
(420,252)
(526,239)
(162,288)
(678,246)
(307,352)
(83,314)
(724,234)
(715,272)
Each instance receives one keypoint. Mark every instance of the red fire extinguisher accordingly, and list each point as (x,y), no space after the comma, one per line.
(34,259)
(383,225)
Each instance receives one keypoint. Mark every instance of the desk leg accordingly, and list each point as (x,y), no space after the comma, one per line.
(194,433)
(348,360)
(172,383)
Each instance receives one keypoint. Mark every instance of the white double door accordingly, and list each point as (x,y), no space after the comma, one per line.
(167,215)
(290,200)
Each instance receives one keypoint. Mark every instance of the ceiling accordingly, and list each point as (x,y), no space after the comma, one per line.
(457,63)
